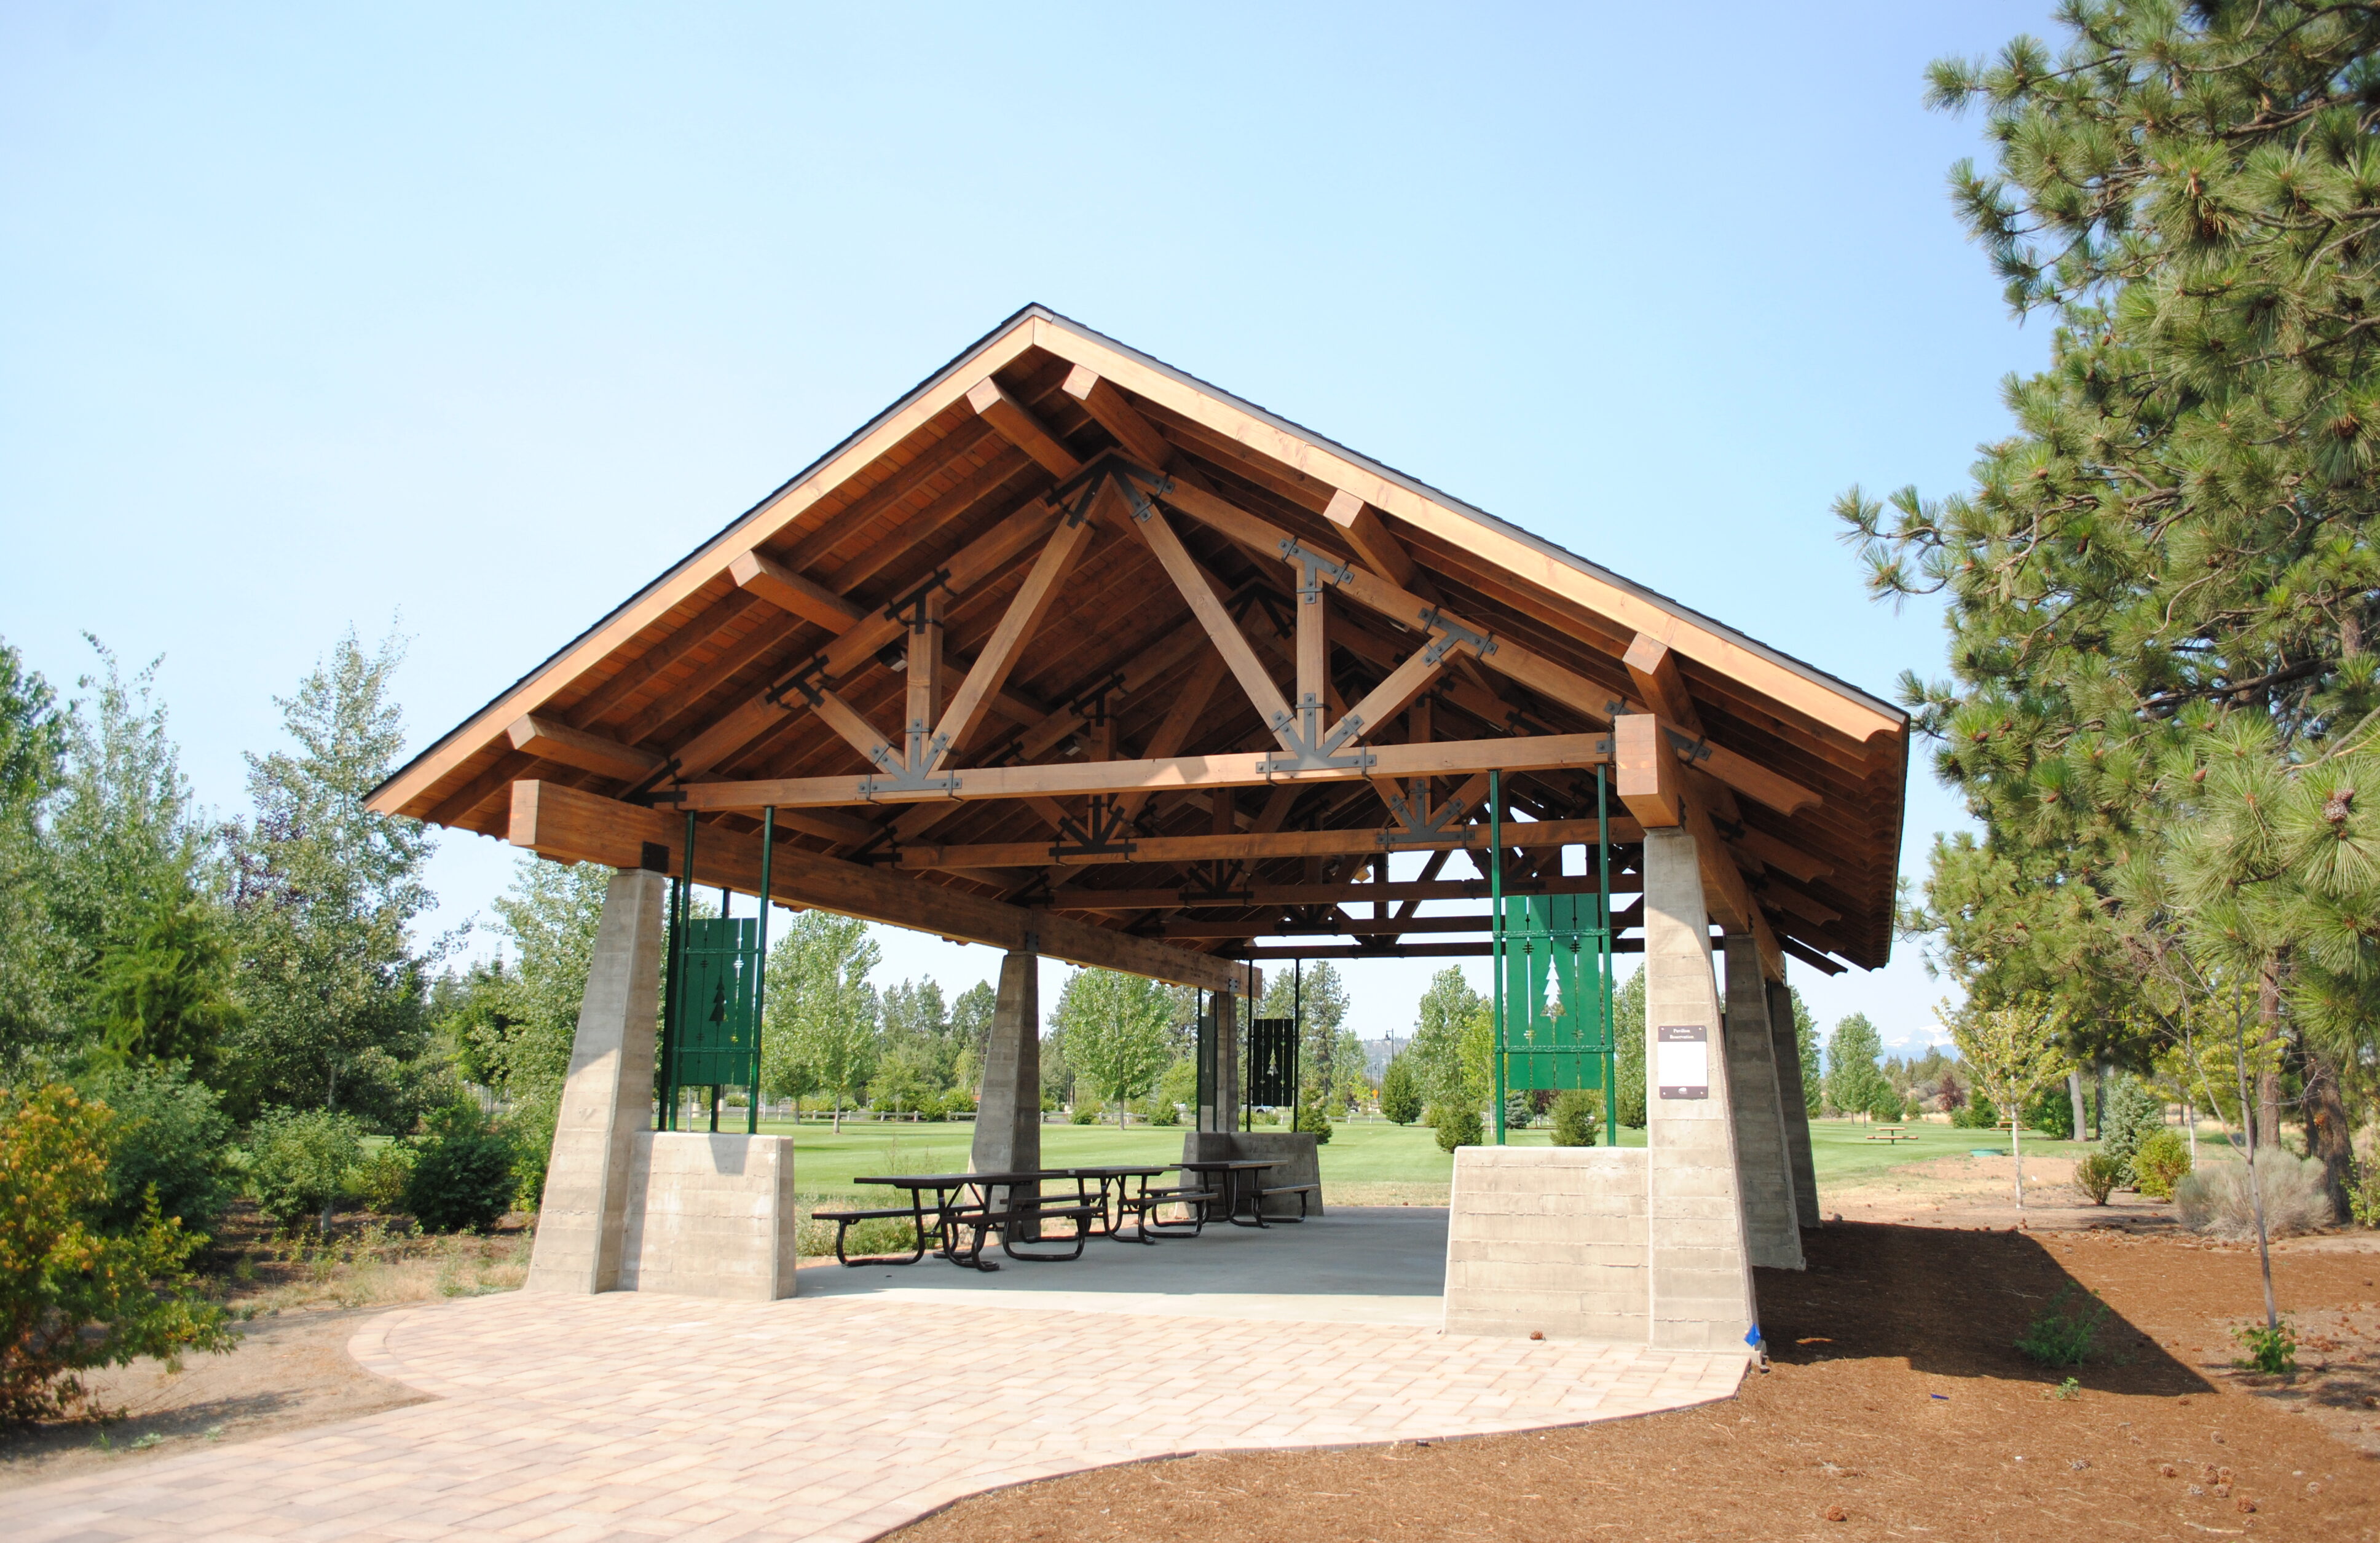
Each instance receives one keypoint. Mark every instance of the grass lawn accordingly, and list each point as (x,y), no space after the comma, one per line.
(1364,1162)
(1843,1154)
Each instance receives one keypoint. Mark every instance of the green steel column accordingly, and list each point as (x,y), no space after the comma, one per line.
(1610,1027)
(760,982)
(1496,936)
(662,1090)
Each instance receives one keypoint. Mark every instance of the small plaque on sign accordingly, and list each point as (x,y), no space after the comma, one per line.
(1682,1060)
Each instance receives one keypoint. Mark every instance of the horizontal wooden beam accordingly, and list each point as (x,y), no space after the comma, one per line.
(1781,855)
(1075,898)
(758,574)
(1018,425)
(1479,950)
(1809,957)
(1345,926)
(1373,541)
(568,825)
(552,739)
(1648,779)
(1249,846)
(1067,778)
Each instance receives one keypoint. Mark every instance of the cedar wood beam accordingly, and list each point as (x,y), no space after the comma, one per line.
(1259,846)
(1443,757)
(568,825)
(1075,898)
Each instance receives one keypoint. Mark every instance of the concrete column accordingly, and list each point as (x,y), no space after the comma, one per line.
(1701,1290)
(1792,1097)
(607,1100)
(1764,1170)
(1008,1120)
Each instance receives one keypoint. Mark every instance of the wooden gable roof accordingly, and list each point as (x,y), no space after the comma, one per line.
(1102,560)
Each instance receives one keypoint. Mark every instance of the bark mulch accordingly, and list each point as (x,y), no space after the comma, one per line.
(1897,1407)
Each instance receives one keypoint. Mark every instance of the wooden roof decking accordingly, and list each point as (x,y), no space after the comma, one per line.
(1051,458)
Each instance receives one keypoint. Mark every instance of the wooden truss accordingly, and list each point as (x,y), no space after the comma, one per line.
(1062,613)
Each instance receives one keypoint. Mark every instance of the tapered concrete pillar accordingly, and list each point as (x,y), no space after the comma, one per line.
(1701,1288)
(1764,1170)
(1792,1095)
(1008,1118)
(607,1100)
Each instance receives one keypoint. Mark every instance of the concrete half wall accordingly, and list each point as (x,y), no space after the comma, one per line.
(1549,1240)
(711,1216)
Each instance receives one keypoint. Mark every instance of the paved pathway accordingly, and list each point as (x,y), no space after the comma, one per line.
(629,1416)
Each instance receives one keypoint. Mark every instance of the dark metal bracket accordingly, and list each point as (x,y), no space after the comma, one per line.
(1317,566)
(1104,832)
(909,610)
(1450,635)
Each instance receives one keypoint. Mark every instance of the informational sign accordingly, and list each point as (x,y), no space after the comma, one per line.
(1682,1060)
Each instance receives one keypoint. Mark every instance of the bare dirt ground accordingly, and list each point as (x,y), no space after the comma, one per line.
(1897,1407)
(299,1304)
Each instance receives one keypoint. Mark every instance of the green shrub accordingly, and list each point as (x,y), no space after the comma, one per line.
(2134,1109)
(529,1125)
(1578,1117)
(2098,1175)
(299,1162)
(2159,1162)
(1400,1099)
(1459,1127)
(1981,1113)
(2051,1111)
(1086,1114)
(169,1132)
(2067,1330)
(1311,1120)
(73,1293)
(2273,1350)
(381,1178)
(1163,1110)
(1519,1110)
(2363,1195)
(462,1178)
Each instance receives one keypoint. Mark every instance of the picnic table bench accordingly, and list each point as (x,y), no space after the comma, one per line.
(1891,1133)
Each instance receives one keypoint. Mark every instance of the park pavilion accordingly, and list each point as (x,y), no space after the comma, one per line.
(1069,652)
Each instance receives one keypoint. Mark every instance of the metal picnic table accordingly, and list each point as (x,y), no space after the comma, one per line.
(1236,1174)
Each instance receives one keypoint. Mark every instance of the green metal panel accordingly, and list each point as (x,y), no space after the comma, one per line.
(1272,1063)
(715,1033)
(1556,1028)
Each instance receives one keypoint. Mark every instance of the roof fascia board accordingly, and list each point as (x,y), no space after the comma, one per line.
(1846,710)
(768,520)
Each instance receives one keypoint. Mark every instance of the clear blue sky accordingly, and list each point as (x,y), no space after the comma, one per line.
(466,320)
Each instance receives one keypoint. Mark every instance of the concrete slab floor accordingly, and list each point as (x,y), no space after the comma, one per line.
(846,1411)
(1380,1264)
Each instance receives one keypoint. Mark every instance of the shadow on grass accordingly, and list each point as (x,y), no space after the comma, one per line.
(1951,1303)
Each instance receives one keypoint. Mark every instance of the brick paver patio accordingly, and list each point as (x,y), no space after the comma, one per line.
(634,1416)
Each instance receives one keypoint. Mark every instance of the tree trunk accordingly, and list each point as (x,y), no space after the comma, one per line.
(2328,1137)
(2268,1079)
(2016,1150)
(2074,1097)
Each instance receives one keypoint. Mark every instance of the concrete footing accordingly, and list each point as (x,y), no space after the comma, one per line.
(1549,1240)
